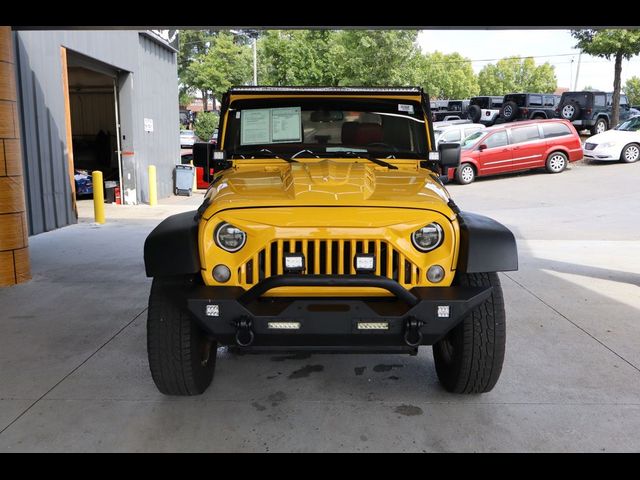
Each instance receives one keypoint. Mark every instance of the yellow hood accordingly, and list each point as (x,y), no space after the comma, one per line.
(256,183)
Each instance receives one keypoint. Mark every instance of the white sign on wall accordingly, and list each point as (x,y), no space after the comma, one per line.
(148,124)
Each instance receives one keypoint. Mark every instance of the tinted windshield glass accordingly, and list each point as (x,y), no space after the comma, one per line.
(471,140)
(326,126)
(482,102)
(631,125)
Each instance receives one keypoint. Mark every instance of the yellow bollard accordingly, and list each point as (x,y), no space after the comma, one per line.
(98,196)
(195,179)
(153,190)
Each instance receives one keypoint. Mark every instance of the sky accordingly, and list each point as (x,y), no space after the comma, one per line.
(553,46)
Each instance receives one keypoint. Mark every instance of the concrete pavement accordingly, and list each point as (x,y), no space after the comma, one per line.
(74,374)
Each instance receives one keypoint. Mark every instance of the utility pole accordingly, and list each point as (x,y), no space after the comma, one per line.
(255,58)
(575,86)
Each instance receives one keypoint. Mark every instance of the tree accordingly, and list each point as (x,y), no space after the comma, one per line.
(632,89)
(619,44)
(376,57)
(446,76)
(298,57)
(193,46)
(226,63)
(515,74)
(206,123)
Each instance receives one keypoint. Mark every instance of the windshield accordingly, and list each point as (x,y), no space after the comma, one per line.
(325,127)
(471,140)
(631,125)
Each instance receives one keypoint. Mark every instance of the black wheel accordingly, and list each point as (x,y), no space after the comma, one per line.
(556,162)
(570,110)
(465,174)
(630,153)
(601,126)
(509,111)
(469,358)
(182,357)
(475,112)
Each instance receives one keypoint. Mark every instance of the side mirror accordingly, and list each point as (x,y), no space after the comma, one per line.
(449,155)
(483,146)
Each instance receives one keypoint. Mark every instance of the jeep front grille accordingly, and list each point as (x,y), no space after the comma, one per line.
(330,257)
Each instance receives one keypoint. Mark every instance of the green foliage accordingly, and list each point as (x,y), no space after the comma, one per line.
(515,74)
(185,99)
(632,89)
(298,57)
(376,57)
(205,124)
(225,63)
(446,76)
(608,43)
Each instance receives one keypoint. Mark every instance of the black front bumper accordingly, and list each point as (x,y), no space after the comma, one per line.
(420,316)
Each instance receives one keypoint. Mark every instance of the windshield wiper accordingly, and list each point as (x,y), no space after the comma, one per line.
(265,153)
(369,157)
(305,151)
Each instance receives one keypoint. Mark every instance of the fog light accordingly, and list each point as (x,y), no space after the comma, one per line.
(365,263)
(435,273)
(293,262)
(221,273)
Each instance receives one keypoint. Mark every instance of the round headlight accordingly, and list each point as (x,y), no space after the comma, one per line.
(230,238)
(428,237)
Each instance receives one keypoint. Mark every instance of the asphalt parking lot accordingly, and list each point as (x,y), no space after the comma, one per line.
(74,373)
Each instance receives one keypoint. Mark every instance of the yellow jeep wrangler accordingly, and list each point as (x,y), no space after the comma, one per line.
(327,227)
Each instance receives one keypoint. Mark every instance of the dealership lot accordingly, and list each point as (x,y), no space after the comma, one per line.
(74,373)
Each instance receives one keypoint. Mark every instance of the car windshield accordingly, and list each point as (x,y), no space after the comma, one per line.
(319,127)
(631,125)
(471,140)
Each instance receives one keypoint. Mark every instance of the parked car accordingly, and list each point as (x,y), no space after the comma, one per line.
(591,110)
(485,109)
(188,138)
(622,143)
(528,106)
(510,147)
(455,131)
(214,138)
(450,110)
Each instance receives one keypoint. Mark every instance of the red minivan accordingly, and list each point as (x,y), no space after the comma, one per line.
(513,147)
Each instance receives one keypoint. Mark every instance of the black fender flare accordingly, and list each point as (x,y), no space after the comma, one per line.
(172,247)
(485,245)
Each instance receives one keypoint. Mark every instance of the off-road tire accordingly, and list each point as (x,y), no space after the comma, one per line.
(575,111)
(182,357)
(509,111)
(465,174)
(596,129)
(475,112)
(469,358)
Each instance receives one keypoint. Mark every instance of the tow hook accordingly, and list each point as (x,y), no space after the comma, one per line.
(412,333)
(244,334)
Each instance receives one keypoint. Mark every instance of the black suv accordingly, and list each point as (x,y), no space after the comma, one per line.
(448,109)
(528,106)
(484,109)
(591,110)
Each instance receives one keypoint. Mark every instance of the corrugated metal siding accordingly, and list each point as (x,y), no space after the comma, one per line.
(154,70)
(157,85)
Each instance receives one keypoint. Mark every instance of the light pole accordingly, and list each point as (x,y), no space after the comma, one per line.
(253,35)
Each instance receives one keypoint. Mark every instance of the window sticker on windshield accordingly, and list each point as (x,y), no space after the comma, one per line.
(286,124)
(255,126)
(271,125)
(405,108)
(238,114)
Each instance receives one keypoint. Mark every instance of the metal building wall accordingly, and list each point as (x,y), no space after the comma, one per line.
(148,87)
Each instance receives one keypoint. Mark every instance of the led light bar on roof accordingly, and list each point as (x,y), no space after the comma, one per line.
(327,89)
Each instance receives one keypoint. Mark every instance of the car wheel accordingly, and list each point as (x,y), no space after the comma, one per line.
(475,112)
(509,111)
(570,111)
(556,162)
(630,153)
(465,174)
(182,357)
(600,127)
(469,358)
